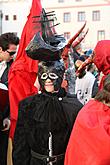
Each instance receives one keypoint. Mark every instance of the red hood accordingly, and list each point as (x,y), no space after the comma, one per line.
(102,56)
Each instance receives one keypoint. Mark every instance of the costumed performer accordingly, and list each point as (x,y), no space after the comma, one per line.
(45,120)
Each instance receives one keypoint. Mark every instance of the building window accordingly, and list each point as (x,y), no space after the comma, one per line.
(67,35)
(14,17)
(81,16)
(60,0)
(6,17)
(96,15)
(67,17)
(100,35)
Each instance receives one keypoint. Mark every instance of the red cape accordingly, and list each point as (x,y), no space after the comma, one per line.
(89,142)
(23,71)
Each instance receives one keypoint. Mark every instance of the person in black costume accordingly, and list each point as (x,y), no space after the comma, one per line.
(45,120)
(8,46)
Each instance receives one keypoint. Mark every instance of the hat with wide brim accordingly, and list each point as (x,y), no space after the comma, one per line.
(49,50)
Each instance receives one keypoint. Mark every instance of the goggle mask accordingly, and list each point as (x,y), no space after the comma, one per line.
(51,76)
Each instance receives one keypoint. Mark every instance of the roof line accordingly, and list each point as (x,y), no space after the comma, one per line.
(79,6)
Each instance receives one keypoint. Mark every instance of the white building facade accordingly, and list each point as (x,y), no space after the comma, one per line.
(13,15)
(71,14)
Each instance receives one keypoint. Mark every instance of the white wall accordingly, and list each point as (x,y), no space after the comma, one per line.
(22,8)
(85,5)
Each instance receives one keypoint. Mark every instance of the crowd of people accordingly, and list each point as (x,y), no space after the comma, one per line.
(54,97)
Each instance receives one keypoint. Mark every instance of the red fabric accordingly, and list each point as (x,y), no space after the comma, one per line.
(23,71)
(102,56)
(89,142)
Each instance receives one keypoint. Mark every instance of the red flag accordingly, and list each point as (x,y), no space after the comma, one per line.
(23,71)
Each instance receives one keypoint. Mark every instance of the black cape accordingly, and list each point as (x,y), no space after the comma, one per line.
(39,115)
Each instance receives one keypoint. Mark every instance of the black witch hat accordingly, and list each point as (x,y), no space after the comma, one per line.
(46,45)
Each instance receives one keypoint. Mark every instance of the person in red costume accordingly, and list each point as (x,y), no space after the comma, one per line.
(102,58)
(23,72)
(89,142)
